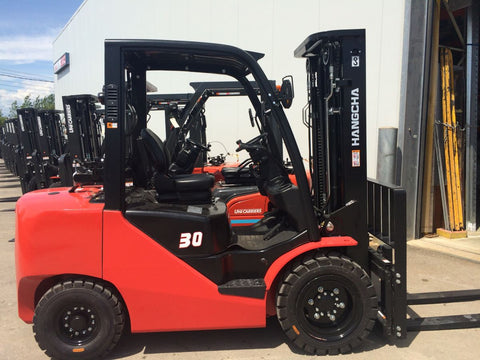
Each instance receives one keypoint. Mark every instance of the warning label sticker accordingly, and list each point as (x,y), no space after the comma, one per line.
(355,158)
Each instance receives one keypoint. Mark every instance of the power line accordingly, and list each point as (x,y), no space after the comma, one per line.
(15,80)
(25,78)
(11,87)
(24,85)
(22,73)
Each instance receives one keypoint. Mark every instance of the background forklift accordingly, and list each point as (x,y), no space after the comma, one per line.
(31,145)
(172,262)
(235,183)
(83,154)
(27,151)
(45,134)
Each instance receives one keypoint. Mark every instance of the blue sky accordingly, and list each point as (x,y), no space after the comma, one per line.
(27,30)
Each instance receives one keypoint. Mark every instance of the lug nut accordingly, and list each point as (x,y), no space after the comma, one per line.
(316,316)
(310,301)
(320,289)
(336,291)
(341,305)
(332,317)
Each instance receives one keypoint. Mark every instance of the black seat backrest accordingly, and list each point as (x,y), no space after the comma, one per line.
(171,142)
(156,150)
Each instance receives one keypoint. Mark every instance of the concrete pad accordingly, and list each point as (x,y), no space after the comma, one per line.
(466,248)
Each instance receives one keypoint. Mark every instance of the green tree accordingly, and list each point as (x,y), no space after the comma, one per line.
(13,109)
(2,118)
(45,103)
(27,102)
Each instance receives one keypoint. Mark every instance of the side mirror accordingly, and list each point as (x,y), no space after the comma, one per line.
(286,91)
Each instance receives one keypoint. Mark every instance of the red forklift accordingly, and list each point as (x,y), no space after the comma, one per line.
(168,259)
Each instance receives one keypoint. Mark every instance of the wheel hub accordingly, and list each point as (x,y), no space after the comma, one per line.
(78,323)
(325,305)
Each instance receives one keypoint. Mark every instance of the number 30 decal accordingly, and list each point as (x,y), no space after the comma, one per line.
(187,239)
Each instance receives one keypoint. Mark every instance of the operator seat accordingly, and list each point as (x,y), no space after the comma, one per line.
(187,189)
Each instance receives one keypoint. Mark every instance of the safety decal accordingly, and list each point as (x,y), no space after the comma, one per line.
(355,158)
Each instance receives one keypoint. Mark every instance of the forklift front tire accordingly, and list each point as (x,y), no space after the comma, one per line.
(78,320)
(326,304)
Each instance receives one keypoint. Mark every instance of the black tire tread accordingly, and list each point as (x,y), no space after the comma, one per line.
(112,299)
(312,262)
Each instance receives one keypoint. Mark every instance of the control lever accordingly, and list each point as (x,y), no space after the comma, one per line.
(240,145)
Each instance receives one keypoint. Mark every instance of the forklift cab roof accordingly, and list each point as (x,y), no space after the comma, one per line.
(187,56)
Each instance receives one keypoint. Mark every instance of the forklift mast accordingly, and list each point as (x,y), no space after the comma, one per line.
(53,129)
(13,158)
(337,131)
(26,118)
(83,129)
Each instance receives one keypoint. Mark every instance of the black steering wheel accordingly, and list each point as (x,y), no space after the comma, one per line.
(253,144)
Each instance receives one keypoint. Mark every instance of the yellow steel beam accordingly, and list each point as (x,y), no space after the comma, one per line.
(455,207)
(458,208)
(445,113)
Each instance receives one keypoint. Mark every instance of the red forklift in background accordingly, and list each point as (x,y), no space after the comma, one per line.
(168,260)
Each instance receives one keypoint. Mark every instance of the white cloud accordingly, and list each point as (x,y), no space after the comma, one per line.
(9,96)
(27,49)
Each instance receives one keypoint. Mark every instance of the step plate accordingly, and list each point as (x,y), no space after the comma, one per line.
(252,288)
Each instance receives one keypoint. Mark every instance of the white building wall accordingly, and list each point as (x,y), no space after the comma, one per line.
(273,27)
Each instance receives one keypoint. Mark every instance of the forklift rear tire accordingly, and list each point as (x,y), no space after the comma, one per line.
(32,184)
(78,320)
(326,304)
